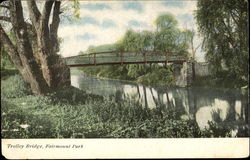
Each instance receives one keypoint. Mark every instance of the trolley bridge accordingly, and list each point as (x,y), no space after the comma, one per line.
(128,57)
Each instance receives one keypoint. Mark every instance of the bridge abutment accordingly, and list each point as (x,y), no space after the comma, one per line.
(183,74)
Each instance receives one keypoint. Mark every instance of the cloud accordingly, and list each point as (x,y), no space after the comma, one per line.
(108,23)
(88,20)
(86,36)
(96,6)
(135,6)
(173,3)
(73,44)
(136,23)
(185,17)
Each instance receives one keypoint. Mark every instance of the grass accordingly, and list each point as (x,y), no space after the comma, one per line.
(72,113)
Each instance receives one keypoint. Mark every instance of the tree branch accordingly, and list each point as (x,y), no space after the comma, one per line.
(34,13)
(12,51)
(54,26)
(4,18)
(230,34)
(3,6)
(46,12)
(56,18)
(44,28)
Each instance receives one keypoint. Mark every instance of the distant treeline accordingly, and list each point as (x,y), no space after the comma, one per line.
(166,37)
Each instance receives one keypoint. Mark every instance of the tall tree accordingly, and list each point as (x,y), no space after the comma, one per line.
(168,37)
(224,25)
(34,51)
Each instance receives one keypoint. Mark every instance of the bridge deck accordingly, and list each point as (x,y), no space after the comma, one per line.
(110,58)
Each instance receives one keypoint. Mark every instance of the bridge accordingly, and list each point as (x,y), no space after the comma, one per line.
(183,74)
(132,57)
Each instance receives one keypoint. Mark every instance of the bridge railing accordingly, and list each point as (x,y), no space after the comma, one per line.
(124,58)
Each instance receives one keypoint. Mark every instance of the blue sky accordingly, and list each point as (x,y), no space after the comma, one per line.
(105,22)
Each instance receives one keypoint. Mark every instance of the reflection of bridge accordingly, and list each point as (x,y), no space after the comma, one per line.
(116,57)
(183,74)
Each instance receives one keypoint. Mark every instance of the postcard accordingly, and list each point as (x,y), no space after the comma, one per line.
(124,79)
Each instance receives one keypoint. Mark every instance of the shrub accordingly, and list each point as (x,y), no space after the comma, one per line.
(14,87)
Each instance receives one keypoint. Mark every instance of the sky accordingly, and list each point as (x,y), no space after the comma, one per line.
(105,22)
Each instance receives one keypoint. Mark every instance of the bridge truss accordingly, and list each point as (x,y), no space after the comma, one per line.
(116,57)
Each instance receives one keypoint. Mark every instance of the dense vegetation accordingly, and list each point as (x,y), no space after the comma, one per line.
(224,26)
(71,113)
(142,73)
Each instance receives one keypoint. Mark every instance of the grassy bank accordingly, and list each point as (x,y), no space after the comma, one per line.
(71,113)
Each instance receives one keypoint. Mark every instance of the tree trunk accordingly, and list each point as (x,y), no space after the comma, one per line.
(37,61)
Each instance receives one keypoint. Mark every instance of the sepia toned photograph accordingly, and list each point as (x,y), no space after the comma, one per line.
(114,69)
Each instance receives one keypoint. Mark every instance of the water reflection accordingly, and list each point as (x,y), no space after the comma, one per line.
(201,104)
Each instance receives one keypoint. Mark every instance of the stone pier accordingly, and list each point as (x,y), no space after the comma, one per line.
(183,74)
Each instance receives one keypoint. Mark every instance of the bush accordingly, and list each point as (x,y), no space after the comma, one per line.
(14,87)
(162,76)
(153,74)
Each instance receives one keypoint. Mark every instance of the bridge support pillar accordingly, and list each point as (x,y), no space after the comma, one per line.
(183,74)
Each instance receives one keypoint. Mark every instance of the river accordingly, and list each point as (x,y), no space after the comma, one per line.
(201,104)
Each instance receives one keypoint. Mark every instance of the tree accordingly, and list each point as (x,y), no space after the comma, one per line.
(35,46)
(101,48)
(130,41)
(224,26)
(168,37)
(190,34)
(166,22)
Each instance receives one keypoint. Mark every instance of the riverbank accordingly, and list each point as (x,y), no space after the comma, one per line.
(140,73)
(72,113)
(155,75)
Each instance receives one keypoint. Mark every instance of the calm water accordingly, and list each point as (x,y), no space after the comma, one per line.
(203,105)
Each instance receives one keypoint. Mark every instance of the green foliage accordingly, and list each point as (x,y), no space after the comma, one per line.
(19,123)
(6,61)
(221,81)
(100,48)
(71,11)
(136,41)
(151,74)
(166,22)
(158,75)
(63,115)
(224,27)
(14,86)
(95,119)
(167,38)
